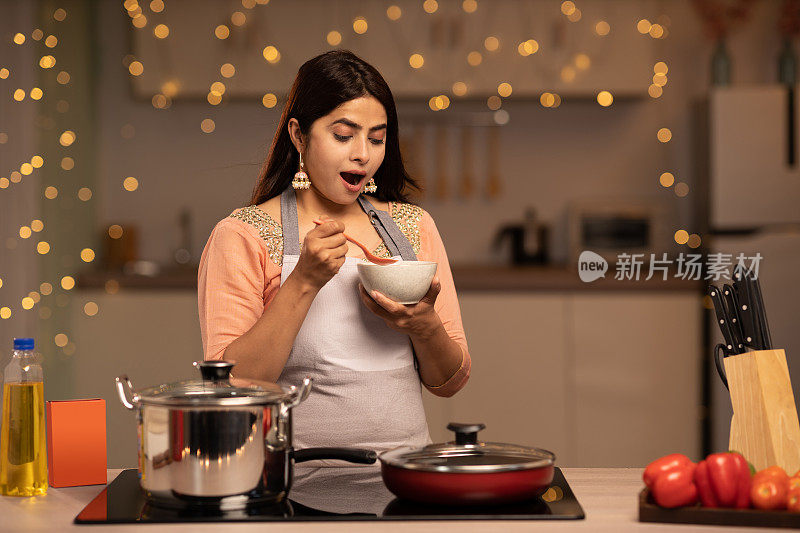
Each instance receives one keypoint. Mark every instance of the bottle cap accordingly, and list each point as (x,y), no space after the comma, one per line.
(25,343)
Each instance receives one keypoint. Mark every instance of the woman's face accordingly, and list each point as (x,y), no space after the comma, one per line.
(344,149)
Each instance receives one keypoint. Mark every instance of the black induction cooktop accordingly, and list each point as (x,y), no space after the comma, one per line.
(122,501)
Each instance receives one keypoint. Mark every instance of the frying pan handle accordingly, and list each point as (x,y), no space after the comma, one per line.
(351,455)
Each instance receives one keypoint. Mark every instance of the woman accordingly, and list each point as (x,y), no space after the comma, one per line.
(283,311)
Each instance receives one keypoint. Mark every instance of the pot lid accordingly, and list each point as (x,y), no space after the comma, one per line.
(216,389)
(467,455)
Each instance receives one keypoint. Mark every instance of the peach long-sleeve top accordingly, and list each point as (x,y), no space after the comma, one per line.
(240,273)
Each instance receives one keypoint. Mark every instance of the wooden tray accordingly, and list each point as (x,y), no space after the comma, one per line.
(650,512)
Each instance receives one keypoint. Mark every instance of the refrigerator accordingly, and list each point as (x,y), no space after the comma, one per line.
(754,208)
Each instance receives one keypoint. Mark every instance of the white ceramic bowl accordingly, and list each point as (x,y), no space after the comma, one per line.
(405,282)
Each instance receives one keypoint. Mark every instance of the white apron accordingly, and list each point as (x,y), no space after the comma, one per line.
(366,391)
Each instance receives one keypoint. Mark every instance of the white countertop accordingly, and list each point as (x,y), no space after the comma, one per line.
(608,496)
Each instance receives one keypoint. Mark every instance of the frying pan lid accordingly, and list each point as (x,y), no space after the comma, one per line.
(466,454)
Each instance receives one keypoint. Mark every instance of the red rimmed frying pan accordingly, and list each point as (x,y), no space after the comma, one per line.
(466,471)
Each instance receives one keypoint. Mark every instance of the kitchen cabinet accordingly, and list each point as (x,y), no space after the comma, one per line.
(637,377)
(600,379)
(519,373)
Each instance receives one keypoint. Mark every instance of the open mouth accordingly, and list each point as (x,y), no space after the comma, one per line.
(351,178)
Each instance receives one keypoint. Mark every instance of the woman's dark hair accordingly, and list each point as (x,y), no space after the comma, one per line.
(324,83)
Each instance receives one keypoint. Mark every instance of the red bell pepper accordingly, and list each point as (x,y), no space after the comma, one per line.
(723,480)
(664,465)
(676,487)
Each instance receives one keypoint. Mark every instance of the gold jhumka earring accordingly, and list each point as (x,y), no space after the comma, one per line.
(301,180)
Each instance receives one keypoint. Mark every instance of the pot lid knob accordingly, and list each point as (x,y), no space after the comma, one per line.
(214,371)
(466,433)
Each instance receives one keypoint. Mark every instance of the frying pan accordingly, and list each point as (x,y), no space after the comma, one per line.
(466,471)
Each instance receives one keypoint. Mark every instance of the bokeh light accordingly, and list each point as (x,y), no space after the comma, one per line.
(208,125)
(87,255)
(130,183)
(91,308)
(334,38)
(605,98)
(67,283)
(681,236)
(360,25)
(115,231)
(269,100)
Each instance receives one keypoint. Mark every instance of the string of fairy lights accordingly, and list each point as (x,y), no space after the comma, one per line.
(36,227)
(144,17)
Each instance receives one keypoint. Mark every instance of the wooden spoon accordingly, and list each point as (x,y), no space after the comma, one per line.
(369,255)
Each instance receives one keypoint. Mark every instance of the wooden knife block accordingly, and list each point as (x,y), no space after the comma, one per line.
(764,427)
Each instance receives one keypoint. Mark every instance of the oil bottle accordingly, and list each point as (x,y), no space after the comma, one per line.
(23,442)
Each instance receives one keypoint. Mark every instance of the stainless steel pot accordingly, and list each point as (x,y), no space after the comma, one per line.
(220,441)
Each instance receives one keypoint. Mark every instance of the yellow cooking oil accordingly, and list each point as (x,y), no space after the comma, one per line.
(23,444)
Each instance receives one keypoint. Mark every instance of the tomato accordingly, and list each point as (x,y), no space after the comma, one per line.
(794,482)
(793,500)
(769,493)
(774,471)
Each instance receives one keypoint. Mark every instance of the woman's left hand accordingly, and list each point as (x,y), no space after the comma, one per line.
(416,320)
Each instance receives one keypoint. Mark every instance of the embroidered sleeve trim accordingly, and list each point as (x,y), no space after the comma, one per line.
(406,216)
(267,229)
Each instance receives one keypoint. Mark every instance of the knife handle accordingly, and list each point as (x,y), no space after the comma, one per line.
(761,313)
(754,311)
(722,319)
(744,309)
(732,312)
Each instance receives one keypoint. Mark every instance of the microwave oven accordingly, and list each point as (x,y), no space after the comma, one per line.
(613,227)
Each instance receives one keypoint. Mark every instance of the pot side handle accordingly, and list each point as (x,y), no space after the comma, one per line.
(122,383)
(299,394)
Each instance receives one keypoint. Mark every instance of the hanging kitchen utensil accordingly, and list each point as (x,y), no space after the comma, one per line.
(220,442)
(419,146)
(493,183)
(723,320)
(467,179)
(467,471)
(734,321)
(410,150)
(441,162)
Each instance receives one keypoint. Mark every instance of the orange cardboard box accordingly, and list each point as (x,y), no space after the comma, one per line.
(76,442)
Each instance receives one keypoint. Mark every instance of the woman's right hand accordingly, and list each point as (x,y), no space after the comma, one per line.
(323,254)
